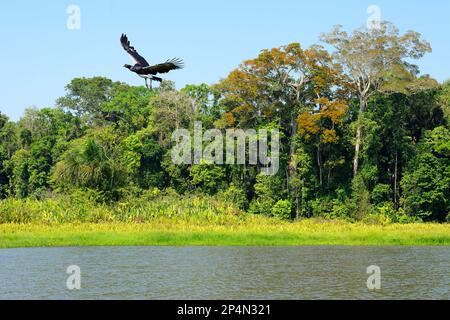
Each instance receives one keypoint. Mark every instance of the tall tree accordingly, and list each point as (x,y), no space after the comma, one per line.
(444,100)
(373,58)
(5,154)
(98,161)
(427,181)
(171,110)
(85,97)
(283,85)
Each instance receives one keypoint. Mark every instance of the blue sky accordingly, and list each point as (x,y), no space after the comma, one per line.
(39,55)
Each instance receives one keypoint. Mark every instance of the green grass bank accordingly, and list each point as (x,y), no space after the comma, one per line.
(188,221)
(260,232)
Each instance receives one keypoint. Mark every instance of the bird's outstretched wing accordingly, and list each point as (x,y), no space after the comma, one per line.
(135,57)
(165,67)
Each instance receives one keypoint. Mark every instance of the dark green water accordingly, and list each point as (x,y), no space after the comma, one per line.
(226,273)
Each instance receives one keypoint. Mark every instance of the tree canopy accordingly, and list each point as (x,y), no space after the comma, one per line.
(363,134)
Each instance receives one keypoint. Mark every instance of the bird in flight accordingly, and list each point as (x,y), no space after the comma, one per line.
(142,68)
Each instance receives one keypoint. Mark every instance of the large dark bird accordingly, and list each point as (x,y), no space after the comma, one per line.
(141,66)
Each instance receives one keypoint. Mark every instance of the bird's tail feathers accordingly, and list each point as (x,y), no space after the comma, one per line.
(179,64)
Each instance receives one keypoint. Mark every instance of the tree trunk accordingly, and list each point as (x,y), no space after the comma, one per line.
(396,181)
(319,163)
(358,141)
(292,150)
(357,150)
(300,200)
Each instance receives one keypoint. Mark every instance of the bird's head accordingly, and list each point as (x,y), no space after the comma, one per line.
(127,66)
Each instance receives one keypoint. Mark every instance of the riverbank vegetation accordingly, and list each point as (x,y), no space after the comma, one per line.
(253,231)
(170,219)
(365,138)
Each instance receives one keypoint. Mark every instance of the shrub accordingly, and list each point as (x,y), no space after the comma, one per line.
(341,210)
(282,209)
(331,208)
(236,196)
(381,193)
(376,219)
(84,206)
(268,190)
(360,198)
(207,178)
(321,207)
(385,214)
(261,207)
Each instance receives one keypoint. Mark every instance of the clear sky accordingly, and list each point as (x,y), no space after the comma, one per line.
(39,55)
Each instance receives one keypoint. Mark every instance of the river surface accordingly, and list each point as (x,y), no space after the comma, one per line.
(225,273)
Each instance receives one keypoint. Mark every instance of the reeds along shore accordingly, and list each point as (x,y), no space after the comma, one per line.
(185,221)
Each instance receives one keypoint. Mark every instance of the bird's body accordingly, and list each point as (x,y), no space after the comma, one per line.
(142,68)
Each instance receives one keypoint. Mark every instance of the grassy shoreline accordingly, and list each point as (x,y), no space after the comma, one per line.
(255,232)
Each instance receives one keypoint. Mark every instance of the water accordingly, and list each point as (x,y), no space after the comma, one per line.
(226,273)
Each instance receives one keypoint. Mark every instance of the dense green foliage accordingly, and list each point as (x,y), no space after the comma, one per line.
(111,144)
(87,207)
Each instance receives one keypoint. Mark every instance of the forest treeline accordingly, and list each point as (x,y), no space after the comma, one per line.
(363,134)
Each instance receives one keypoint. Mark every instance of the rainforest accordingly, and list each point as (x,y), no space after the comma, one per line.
(364,154)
